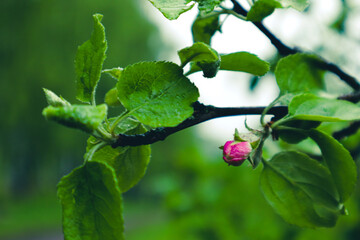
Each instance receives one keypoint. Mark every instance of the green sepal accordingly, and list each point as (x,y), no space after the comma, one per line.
(54,100)
(203,56)
(91,203)
(89,61)
(83,117)
(157,93)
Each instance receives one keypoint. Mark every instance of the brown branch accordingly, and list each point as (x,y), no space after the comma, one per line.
(285,50)
(201,114)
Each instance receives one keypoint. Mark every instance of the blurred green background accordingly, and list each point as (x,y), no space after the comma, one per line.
(188,192)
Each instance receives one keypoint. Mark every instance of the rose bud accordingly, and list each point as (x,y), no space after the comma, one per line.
(235,153)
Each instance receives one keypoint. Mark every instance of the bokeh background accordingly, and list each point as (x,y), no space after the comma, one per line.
(188,191)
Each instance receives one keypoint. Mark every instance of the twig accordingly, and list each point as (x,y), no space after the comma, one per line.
(286,50)
(201,114)
(352,129)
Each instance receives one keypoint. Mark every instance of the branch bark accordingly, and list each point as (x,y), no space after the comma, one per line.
(285,50)
(202,113)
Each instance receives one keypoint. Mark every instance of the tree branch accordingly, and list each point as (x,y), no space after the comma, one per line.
(352,129)
(286,50)
(201,114)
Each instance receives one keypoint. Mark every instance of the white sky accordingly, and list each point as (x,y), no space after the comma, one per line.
(232,89)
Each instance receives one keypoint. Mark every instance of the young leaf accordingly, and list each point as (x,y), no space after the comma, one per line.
(298,73)
(204,28)
(301,190)
(88,62)
(299,5)
(157,93)
(203,56)
(312,108)
(92,204)
(54,100)
(84,117)
(172,9)
(111,98)
(261,9)
(339,161)
(206,6)
(244,62)
(129,163)
(114,72)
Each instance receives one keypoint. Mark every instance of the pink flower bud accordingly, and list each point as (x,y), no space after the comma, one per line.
(235,153)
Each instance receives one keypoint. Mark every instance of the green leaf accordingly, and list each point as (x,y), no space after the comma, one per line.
(114,72)
(301,190)
(313,108)
(299,5)
(111,98)
(204,28)
(92,204)
(201,54)
(244,62)
(339,161)
(206,6)
(84,117)
(172,9)
(261,9)
(129,163)
(54,100)
(295,131)
(88,62)
(298,73)
(157,93)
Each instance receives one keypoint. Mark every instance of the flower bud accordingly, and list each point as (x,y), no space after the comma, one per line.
(235,153)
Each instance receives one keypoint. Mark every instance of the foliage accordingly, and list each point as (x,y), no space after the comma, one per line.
(159,100)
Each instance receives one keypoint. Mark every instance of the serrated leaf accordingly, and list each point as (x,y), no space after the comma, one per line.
(89,61)
(312,108)
(339,161)
(202,55)
(244,62)
(111,98)
(157,93)
(301,190)
(298,73)
(114,72)
(262,9)
(204,28)
(172,9)
(83,117)
(54,100)
(129,163)
(92,204)
(207,6)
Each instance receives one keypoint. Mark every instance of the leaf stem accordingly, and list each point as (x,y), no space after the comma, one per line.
(89,155)
(118,120)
